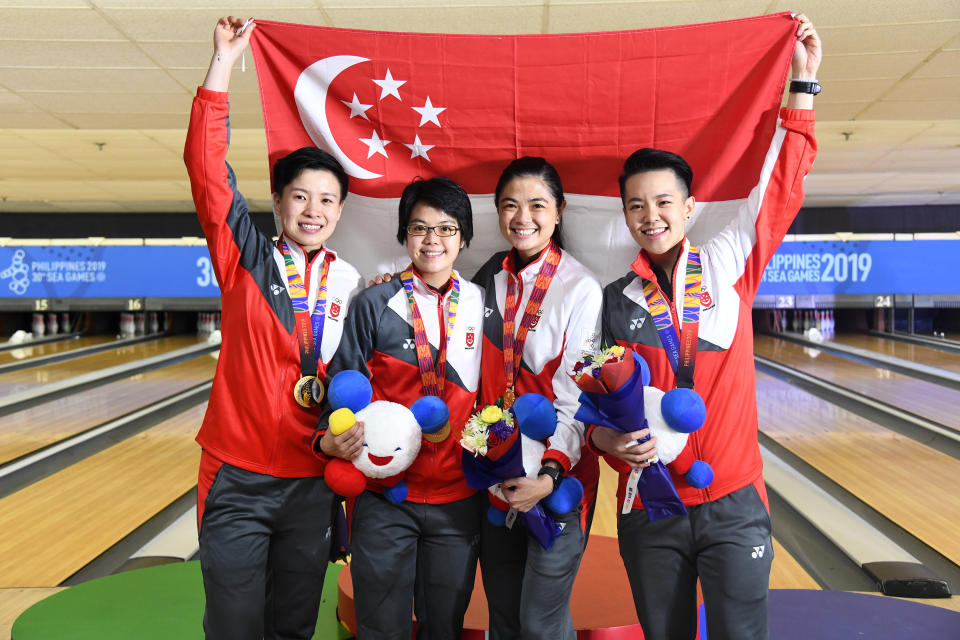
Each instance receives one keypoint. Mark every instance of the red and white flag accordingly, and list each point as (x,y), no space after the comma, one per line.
(393,106)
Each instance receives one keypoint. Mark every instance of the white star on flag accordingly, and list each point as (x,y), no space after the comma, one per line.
(375,145)
(389,86)
(419,149)
(429,113)
(357,108)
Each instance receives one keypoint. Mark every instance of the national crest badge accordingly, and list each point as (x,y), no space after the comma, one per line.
(536,319)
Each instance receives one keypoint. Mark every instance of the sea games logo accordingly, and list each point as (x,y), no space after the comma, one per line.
(18,273)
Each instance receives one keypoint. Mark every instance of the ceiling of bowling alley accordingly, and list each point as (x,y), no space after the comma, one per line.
(94,94)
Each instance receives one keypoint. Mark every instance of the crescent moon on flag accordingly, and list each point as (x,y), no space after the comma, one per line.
(310,95)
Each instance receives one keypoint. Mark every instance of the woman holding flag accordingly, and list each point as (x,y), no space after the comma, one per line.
(264,510)
(414,335)
(543,310)
(695,330)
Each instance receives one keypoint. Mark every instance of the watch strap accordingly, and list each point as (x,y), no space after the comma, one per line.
(555,474)
(805,86)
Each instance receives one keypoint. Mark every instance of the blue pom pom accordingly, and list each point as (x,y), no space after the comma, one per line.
(683,409)
(564,498)
(397,493)
(700,474)
(496,517)
(431,413)
(535,415)
(644,369)
(350,389)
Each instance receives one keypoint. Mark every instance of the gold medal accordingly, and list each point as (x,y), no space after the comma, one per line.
(439,435)
(308,392)
(509,397)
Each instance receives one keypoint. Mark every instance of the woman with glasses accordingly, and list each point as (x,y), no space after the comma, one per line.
(415,335)
(545,312)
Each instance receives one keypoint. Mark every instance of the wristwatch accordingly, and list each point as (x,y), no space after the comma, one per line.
(555,474)
(805,86)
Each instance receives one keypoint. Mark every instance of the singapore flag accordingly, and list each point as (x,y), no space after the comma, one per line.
(394,106)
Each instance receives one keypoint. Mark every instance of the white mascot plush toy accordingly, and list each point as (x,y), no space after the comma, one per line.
(673,429)
(392,436)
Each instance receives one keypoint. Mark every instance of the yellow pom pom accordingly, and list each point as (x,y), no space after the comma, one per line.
(342,420)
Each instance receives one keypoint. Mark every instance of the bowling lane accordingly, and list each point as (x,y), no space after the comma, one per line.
(28,351)
(909,483)
(925,399)
(31,429)
(18,381)
(903,350)
(56,526)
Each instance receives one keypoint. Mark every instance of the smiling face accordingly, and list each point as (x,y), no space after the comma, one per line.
(433,255)
(656,210)
(391,439)
(310,207)
(528,214)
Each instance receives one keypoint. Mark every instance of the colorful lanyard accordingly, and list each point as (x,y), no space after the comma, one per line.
(433,378)
(681,352)
(309,325)
(513,347)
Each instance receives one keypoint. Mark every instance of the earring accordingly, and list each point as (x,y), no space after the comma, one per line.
(558,219)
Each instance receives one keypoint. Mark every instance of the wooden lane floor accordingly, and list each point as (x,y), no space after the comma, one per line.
(56,526)
(31,429)
(922,398)
(28,351)
(903,350)
(18,381)
(786,572)
(909,483)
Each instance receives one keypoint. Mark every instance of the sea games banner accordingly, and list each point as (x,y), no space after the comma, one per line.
(106,272)
(863,267)
(393,106)
(798,268)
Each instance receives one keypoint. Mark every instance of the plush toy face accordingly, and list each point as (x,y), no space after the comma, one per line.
(391,439)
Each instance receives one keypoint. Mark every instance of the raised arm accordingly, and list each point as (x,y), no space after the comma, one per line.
(230,37)
(223,212)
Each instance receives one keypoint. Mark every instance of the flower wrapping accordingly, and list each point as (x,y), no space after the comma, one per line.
(492,453)
(542,527)
(611,384)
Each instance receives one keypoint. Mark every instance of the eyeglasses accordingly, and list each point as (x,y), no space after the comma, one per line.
(441,230)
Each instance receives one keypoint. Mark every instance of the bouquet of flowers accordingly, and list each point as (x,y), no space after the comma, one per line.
(495,442)
(612,383)
(488,429)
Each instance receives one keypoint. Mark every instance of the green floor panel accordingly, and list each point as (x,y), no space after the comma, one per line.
(157,603)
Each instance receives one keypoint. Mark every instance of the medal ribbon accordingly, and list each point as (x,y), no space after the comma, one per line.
(682,351)
(433,378)
(309,325)
(513,347)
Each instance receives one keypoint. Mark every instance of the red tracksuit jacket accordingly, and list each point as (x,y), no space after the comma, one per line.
(733,264)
